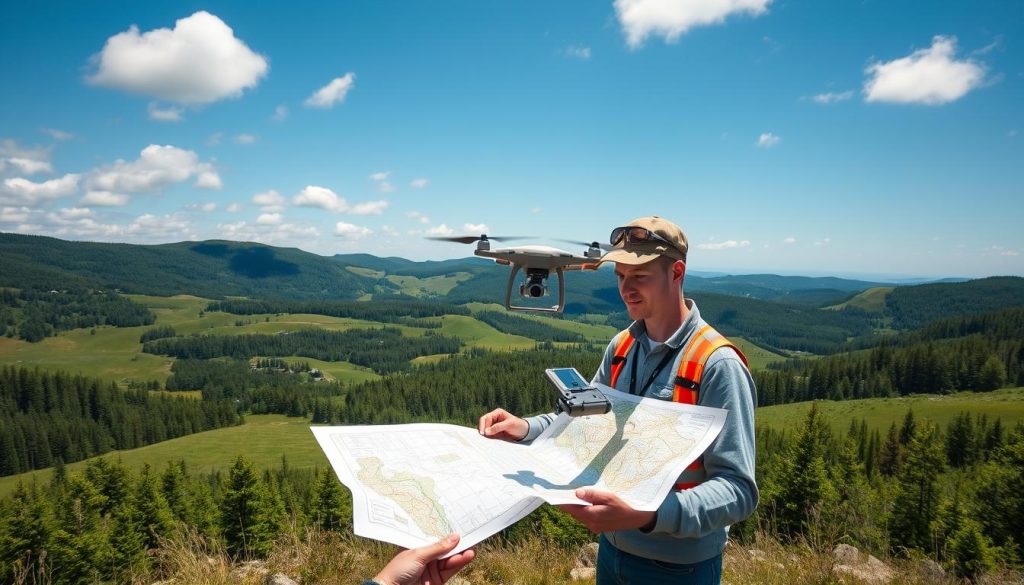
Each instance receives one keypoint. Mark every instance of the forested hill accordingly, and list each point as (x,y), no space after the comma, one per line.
(914,306)
(212,269)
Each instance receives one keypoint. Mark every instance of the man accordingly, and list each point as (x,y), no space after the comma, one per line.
(668,353)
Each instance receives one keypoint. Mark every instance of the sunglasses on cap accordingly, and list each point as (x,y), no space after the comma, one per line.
(637,235)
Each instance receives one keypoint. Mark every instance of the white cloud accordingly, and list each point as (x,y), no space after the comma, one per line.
(200,61)
(28,166)
(280,113)
(333,92)
(206,207)
(535,210)
(164,114)
(928,76)
(208,178)
(313,196)
(24,160)
(214,139)
(14,214)
(156,168)
(824,242)
(350,231)
(475,228)
(767,140)
(369,208)
(672,18)
(831,98)
(726,245)
(269,219)
(75,212)
(789,240)
(582,53)
(234,207)
(284,233)
(57,134)
(269,201)
(381,176)
(441,230)
(418,216)
(245,139)
(419,183)
(389,231)
(104,199)
(21,191)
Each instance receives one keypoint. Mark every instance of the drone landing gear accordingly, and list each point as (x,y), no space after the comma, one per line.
(534,287)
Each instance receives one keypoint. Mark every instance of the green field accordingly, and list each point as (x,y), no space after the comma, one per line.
(871,300)
(431,286)
(263,439)
(590,331)
(880,413)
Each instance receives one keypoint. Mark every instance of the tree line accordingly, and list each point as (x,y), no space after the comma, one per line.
(255,389)
(33,315)
(936,359)
(381,310)
(48,417)
(953,495)
(383,350)
(536,330)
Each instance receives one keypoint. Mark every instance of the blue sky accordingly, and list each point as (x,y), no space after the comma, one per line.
(858,138)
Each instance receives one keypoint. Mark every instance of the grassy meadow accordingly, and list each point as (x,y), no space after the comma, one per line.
(264,438)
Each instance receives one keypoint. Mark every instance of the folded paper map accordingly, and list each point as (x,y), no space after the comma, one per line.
(415,483)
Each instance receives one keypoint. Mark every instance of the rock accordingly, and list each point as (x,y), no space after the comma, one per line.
(872,571)
(932,570)
(587,556)
(581,573)
(845,554)
(278,579)
(257,568)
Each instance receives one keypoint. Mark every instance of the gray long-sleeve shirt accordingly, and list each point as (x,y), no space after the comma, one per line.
(692,525)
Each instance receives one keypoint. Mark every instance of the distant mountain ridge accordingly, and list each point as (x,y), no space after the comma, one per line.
(776,305)
(212,268)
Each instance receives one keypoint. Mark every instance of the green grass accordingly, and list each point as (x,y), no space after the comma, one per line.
(758,358)
(478,334)
(369,272)
(871,300)
(431,286)
(880,413)
(590,331)
(263,439)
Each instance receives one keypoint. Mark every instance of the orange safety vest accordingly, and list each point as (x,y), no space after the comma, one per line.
(688,374)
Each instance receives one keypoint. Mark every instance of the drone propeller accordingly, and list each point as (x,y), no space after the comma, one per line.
(605,247)
(471,239)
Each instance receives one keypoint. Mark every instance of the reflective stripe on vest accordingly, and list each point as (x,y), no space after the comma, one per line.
(688,376)
(619,357)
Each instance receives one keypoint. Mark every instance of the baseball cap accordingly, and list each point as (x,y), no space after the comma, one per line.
(638,247)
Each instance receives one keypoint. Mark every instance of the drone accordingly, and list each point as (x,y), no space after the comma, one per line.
(537,263)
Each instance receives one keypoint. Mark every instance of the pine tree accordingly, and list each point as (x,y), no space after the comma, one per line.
(917,495)
(992,375)
(890,457)
(332,506)
(154,515)
(25,529)
(804,486)
(243,511)
(970,551)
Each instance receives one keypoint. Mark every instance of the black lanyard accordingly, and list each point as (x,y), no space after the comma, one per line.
(661,365)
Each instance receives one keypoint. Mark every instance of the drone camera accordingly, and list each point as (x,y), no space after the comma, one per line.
(535,285)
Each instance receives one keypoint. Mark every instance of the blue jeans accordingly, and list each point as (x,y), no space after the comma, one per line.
(615,567)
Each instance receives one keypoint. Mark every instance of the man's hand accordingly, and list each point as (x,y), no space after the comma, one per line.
(499,424)
(420,566)
(608,512)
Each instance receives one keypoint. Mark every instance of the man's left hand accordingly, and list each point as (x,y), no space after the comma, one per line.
(607,512)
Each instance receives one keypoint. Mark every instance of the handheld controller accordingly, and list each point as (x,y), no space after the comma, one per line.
(575,395)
